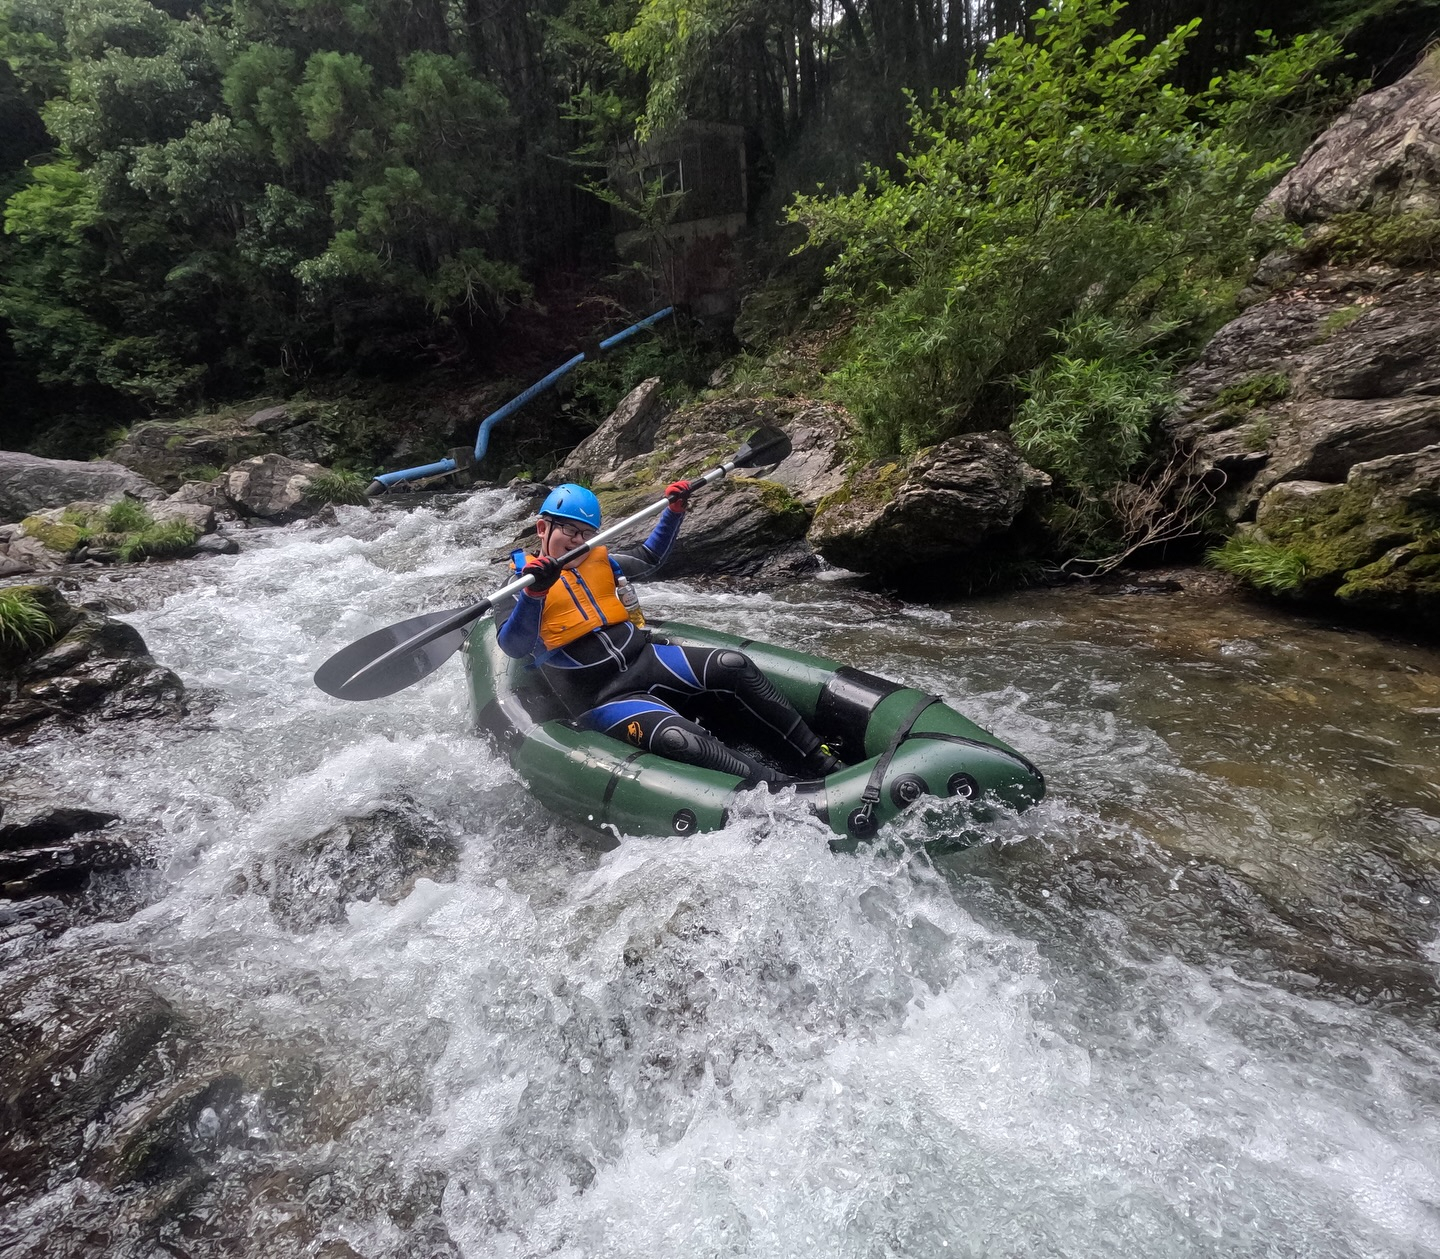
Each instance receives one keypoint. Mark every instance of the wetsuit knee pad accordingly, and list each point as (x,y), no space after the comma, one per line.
(678,743)
(738,664)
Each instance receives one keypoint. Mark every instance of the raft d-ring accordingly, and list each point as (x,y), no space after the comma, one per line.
(962,785)
(907,789)
(684,822)
(862,821)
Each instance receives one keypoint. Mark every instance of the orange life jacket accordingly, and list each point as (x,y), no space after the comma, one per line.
(583,600)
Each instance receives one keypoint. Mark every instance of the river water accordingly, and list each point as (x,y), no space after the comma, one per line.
(1185,1007)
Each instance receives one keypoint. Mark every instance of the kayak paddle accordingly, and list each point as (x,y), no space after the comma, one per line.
(400,655)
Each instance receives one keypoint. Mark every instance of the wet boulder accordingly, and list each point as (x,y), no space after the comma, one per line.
(947,503)
(29,484)
(380,855)
(272,487)
(66,865)
(84,666)
(77,1048)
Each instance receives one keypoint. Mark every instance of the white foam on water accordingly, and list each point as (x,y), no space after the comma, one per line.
(743,1043)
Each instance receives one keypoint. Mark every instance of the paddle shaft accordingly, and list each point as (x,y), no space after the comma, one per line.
(465,615)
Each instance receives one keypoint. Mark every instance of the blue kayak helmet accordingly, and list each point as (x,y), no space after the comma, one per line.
(572,502)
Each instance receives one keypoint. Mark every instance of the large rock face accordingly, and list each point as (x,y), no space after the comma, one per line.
(1340,368)
(1334,372)
(750,525)
(948,502)
(1383,156)
(29,484)
(164,450)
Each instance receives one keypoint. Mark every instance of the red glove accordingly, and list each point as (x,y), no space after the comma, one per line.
(545,571)
(678,492)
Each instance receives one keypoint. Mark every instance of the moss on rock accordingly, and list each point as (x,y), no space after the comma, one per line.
(1372,544)
(58,536)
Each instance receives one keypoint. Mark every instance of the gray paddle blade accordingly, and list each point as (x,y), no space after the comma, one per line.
(764,446)
(333,677)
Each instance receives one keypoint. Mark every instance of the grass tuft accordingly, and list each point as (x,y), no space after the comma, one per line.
(1266,566)
(126,516)
(24,624)
(1255,391)
(339,486)
(165,538)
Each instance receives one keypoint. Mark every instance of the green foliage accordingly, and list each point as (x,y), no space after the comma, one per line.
(251,189)
(1088,411)
(1258,435)
(1265,565)
(125,516)
(25,626)
(1409,239)
(681,363)
(339,486)
(202,472)
(1337,319)
(1255,391)
(1071,177)
(165,538)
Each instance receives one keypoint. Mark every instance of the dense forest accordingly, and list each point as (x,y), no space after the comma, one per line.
(214,200)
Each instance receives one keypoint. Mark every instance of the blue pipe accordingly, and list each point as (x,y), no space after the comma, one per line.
(387,479)
(482,439)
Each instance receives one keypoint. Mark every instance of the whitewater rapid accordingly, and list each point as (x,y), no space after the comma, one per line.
(1107,1031)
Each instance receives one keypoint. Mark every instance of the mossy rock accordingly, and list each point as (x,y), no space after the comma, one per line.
(1403,583)
(1372,544)
(61,537)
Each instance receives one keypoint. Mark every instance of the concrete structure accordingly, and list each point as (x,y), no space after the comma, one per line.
(685,243)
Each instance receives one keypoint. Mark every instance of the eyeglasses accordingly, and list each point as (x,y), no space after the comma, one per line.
(581,533)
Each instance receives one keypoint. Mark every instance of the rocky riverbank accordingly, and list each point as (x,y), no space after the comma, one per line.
(1315,415)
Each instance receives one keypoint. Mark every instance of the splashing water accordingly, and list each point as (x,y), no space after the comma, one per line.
(1186,1007)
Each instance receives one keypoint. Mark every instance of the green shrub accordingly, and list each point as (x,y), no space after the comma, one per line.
(25,626)
(339,486)
(1266,566)
(202,472)
(1070,175)
(165,538)
(126,516)
(1089,411)
(682,363)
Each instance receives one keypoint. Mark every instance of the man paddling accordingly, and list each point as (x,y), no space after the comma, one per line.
(621,679)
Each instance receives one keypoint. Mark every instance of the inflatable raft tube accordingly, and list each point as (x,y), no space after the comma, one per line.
(900,745)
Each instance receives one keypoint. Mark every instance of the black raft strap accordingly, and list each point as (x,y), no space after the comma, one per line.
(870,797)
